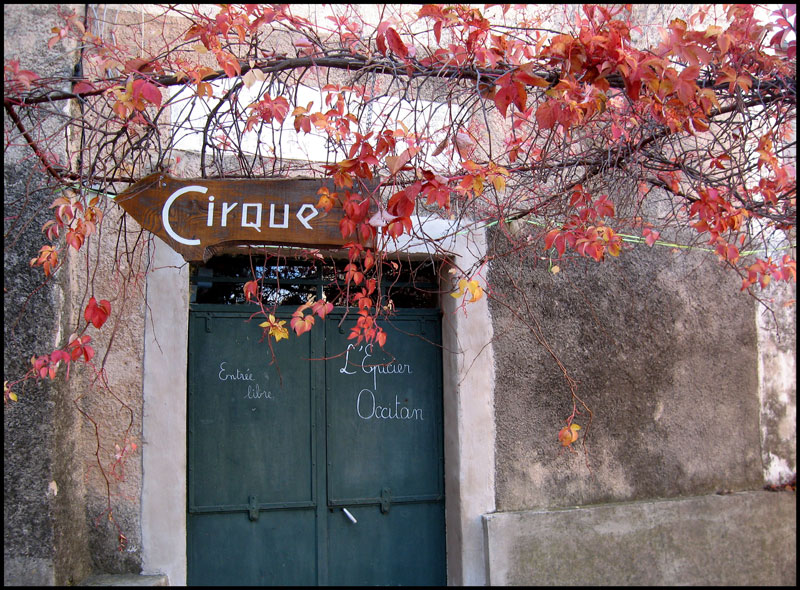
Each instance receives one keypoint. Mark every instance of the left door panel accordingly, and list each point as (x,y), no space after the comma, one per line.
(252,502)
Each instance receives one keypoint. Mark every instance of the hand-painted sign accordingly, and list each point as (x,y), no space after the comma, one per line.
(193,215)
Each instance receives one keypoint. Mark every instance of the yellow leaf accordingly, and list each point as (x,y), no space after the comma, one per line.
(475,290)
(276,328)
(477,185)
(462,284)
(499,183)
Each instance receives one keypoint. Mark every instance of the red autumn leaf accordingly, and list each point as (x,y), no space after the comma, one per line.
(546,115)
(48,259)
(353,274)
(82,87)
(396,43)
(97,313)
(398,226)
(604,207)
(75,238)
(80,346)
(400,205)
(556,238)
(380,337)
(503,98)
(150,92)
(347,227)
(568,434)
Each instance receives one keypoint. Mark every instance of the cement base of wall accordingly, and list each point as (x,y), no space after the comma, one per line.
(124,580)
(28,571)
(746,538)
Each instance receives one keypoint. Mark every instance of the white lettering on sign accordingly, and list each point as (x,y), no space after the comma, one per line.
(367,409)
(391,368)
(226,208)
(256,225)
(312,213)
(165,213)
(272,216)
(210,216)
(251,214)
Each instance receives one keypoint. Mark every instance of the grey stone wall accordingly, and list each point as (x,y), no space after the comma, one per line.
(663,347)
(45,530)
(29,431)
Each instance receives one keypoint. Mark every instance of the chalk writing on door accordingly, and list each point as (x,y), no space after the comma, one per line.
(368,404)
(254,390)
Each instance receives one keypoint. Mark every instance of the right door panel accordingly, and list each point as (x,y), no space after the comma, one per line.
(384,455)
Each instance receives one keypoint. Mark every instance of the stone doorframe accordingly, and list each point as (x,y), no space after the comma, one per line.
(469,430)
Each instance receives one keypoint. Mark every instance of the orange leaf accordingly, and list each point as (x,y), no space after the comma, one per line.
(568,434)
(251,290)
(300,323)
(650,236)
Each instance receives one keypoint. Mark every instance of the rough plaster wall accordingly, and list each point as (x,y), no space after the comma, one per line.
(115,408)
(44,529)
(777,343)
(663,347)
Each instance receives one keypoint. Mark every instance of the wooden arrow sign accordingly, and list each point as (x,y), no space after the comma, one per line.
(194,215)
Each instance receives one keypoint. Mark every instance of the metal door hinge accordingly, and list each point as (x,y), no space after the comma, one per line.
(386,500)
(252,511)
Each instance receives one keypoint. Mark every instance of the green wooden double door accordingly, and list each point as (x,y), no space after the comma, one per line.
(324,467)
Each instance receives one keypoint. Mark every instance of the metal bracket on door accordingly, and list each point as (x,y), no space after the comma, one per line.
(386,500)
(207,318)
(252,508)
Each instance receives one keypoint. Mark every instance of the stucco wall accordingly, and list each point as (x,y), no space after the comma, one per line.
(692,390)
(664,349)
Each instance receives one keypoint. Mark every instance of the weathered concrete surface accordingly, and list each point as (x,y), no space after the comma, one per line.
(746,538)
(663,347)
(124,580)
